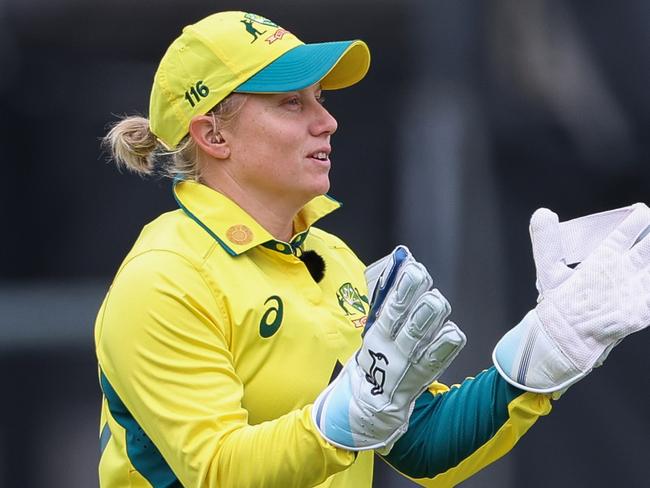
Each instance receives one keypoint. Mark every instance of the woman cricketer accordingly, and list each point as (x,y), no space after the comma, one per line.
(240,345)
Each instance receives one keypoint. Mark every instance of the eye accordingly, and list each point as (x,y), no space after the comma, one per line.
(320,98)
(293,102)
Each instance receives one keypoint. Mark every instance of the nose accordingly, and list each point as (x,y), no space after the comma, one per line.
(324,122)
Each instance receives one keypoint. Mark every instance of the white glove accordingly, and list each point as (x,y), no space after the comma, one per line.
(407,344)
(582,313)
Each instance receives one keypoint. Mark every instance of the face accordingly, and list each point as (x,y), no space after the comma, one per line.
(280,146)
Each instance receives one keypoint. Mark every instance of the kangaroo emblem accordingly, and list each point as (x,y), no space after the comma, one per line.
(251,29)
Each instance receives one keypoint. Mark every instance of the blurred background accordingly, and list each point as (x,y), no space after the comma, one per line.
(474,114)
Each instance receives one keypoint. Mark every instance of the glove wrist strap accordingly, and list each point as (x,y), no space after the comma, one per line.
(528,359)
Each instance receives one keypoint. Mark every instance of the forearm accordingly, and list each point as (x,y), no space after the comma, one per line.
(286,452)
(453,435)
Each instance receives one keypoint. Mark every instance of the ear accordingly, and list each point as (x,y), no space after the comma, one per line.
(208,138)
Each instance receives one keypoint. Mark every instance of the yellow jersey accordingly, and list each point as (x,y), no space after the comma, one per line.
(213,342)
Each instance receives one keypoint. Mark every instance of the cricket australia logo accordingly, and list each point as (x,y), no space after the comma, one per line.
(353,304)
(252,22)
(377,376)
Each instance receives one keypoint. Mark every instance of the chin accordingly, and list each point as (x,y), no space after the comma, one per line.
(316,188)
(326,183)
(323,189)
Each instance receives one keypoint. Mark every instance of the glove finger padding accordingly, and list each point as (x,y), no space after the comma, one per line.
(582,313)
(442,350)
(395,298)
(407,344)
(548,251)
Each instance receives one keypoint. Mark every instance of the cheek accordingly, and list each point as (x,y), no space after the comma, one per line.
(251,144)
(270,147)
(283,148)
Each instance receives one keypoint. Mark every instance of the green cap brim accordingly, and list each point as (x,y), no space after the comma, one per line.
(335,64)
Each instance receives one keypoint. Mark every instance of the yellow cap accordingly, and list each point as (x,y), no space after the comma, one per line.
(242,52)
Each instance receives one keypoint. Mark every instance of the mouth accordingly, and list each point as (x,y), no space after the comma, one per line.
(322,156)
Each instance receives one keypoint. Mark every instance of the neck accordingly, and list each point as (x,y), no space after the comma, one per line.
(271,212)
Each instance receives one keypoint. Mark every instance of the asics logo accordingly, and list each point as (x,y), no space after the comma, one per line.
(272,318)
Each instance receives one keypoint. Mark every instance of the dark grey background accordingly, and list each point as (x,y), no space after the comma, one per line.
(473,115)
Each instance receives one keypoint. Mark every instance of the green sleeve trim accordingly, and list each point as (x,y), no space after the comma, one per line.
(143,454)
(447,428)
(104,438)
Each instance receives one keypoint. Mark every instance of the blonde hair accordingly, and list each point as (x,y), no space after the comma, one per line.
(133,146)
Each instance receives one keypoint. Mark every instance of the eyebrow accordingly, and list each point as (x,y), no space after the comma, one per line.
(317,87)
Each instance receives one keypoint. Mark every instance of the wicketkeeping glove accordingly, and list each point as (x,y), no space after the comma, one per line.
(407,343)
(582,312)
